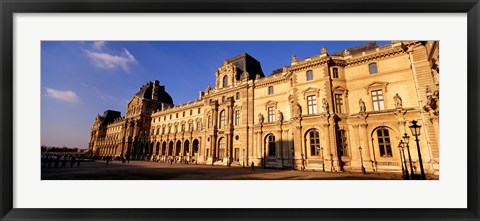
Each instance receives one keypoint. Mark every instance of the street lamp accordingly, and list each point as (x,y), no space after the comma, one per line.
(323,158)
(416,132)
(406,137)
(303,163)
(401,145)
(243,153)
(361,160)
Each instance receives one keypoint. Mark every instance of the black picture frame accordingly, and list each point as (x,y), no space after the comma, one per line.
(9,7)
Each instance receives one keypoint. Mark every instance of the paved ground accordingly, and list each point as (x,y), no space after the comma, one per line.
(142,170)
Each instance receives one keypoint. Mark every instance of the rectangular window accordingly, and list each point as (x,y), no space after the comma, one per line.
(373,68)
(237,96)
(237,118)
(312,104)
(271,114)
(199,126)
(270,90)
(309,75)
(190,126)
(377,99)
(335,72)
(338,103)
(198,111)
(191,112)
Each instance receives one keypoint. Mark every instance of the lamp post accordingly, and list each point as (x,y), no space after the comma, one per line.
(401,145)
(323,159)
(416,132)
(243,154)
(303,163)
(361,160)
(406,137)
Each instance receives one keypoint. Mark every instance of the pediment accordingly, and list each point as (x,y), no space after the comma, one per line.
(311,90)
(377,85)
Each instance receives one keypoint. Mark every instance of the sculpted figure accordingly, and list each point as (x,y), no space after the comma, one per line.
(361,104)
(294,58)
(325,105)
(298,110)
(208,89)
(398,101)
(346,52)
(324,50)
(280,116)
(260,118)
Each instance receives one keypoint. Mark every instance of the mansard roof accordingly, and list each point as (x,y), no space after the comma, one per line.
(145,92)
(245,62)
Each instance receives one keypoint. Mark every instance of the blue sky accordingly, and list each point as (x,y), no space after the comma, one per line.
(80,79)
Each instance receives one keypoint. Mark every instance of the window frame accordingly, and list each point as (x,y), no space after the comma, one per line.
(309,75)
(377,102)
(271,114)
(335,73)
(237,117)
(314,146)
(312,104)
(370,67)
(385,147)
(338,105)
(270,141)
(270,90)
(223,120)
(225,81)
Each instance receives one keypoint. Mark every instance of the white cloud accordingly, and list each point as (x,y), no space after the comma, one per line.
(99,45)
(68,96)
(111,61)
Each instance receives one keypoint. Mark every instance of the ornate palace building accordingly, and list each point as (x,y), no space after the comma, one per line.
(335,112)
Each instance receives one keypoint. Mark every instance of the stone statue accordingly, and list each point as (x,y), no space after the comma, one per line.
(398,101)
(260,118)
(346,52)
(361,104)
(280,116)
(325,105)
(324,50)
(208,89)
(246,76)
(297,110)
(294,58)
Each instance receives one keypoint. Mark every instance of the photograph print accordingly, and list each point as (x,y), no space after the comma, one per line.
(240,110)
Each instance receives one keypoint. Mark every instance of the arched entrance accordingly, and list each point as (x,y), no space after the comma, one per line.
(186,148)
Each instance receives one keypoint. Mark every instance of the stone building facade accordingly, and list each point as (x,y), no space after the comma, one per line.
(331,112)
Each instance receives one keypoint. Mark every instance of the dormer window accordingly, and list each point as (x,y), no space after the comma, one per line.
(225,81)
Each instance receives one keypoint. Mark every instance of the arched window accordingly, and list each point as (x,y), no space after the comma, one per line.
(383,137)
(270,141)
(225,81)
(237,117)
(221,148)
(222,120)
(314,142)
(270,90)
